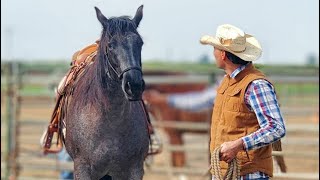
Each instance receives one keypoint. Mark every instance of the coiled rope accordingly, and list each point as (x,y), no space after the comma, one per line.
(233,172)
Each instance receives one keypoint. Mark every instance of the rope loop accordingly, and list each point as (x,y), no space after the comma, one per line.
(233,171)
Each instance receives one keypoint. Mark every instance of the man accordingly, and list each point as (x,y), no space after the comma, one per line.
(246,117)
(63,156)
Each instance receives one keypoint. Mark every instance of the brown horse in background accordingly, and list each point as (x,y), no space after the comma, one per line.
(163,112)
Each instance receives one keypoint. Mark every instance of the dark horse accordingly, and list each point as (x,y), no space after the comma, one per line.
(107,135)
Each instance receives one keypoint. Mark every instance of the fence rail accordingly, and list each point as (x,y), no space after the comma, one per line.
(170,79)
(161,170)
(205,126)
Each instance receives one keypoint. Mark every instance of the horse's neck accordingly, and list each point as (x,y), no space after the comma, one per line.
(115,95)
(117,102)
(119,110)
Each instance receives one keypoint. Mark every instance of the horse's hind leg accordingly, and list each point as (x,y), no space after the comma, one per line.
(82,170)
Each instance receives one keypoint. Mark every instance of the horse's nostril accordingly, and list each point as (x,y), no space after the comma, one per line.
(133,89)
(128,88)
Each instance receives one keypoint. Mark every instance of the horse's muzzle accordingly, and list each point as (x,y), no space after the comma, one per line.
(133,85)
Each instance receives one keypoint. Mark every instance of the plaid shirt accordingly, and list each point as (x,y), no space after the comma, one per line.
(260,97)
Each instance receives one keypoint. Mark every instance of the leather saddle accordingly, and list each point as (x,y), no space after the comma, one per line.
(80,61)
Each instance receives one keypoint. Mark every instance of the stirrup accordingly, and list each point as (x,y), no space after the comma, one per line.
(46,140)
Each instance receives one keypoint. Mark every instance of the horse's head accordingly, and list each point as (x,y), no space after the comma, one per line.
(120,49)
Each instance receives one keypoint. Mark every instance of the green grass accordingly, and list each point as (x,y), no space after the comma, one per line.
(286,89)
(297,89)
(34,90)
(294,70)
(62,66)
(181,67)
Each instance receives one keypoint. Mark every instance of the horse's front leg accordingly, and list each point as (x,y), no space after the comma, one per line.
(175,138)
(134,172)
(82,170)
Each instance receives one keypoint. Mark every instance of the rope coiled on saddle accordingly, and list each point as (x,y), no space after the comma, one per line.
(233,171)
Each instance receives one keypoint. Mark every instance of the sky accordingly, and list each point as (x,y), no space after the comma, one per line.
(44,30)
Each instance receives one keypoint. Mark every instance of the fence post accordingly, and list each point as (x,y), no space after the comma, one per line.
(15,125)
(11,124)
(9,104)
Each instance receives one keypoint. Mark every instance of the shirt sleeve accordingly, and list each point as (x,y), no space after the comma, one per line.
(261,98)
(193,101)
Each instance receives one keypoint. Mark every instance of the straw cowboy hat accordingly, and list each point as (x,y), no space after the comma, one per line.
(235,41)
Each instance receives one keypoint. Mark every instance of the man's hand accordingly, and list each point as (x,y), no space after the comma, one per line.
(154,97)
(230,149)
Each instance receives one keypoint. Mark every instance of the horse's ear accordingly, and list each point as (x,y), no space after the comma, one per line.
(137,18)
(103,20)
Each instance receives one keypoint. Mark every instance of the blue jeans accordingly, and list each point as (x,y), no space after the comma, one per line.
(63,156)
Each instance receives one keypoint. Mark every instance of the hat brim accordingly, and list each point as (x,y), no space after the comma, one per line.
(252,52)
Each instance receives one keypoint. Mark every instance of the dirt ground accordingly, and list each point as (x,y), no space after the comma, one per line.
(36,112)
